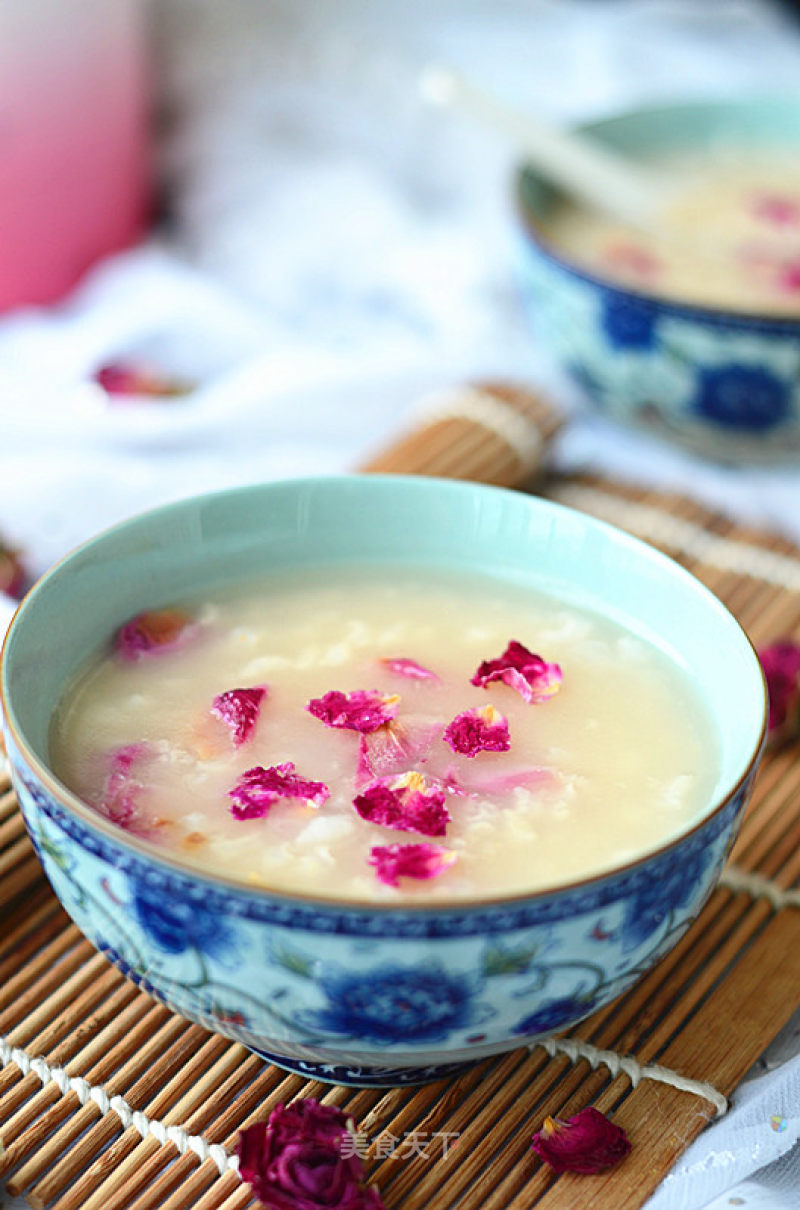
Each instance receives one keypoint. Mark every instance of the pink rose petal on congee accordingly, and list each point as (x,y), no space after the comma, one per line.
(776,209)
(532,677)
(474,731)
(407,803)
(401,666)
(259,789)
(395,861)
(396,747)
(632,259)
(152,632)
(361,710)
(483,782)
(789,279)
(119,800)
(239,710)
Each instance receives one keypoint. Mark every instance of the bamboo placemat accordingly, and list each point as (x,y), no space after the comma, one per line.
(705,1013)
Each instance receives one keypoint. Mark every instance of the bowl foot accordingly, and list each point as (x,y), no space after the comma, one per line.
(358,1076)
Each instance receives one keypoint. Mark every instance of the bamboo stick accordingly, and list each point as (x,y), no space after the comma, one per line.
(12,829)
(41,974)
(15,1113)
(462,447)
(154,1093)
(96,1060)
(205,1119)
(148,1156)
(25,875)
(89,1132)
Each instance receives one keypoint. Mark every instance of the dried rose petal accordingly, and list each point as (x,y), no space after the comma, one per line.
(121,380)
(13,576)
(362,710)
(239,710)
(474,731)
(490,782)
(152,632)
(531,676)
(259,789)
(406,803)
(395,861)
(776,209)
(122,791)
(781,664)
(789,277)
(401,666)
(587,1143)
(396,747)
(299,1160)
(633,259)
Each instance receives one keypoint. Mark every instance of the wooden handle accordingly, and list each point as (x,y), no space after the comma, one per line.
(488,432)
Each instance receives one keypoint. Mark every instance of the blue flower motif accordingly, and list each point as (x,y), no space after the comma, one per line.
(660,892)
(396,1004)
(175,925)
(553,1015)
(627,322)
(743,397)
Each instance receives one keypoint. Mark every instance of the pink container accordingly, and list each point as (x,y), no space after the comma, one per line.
(73,140)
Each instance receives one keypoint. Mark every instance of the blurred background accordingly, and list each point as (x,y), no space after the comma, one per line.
(251,208)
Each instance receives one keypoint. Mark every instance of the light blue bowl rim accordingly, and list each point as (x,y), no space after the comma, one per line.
(779,325)
(74,806)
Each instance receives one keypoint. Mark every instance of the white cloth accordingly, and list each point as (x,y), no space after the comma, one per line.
(336,250)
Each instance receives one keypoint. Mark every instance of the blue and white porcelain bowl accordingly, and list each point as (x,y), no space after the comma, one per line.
(344,991)
(724,383)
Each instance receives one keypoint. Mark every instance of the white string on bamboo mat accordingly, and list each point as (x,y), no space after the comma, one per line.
(86,1092)
(759,888)
(518,432)
(575,1049)
(687,537)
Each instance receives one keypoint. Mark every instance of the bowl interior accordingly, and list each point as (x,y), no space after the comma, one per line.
(689,127)
(179,552)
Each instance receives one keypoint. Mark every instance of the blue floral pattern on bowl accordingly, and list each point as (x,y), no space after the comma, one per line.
(393,1004)
(304,985)
(743,397)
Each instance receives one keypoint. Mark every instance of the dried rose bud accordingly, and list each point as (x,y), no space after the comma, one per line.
(781,664)
(586,1143)
(300,1160)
